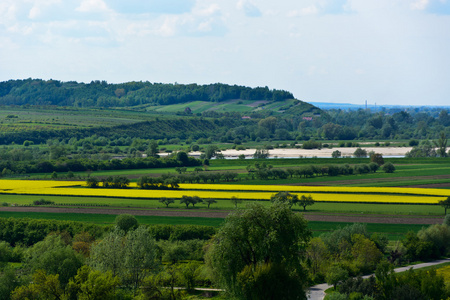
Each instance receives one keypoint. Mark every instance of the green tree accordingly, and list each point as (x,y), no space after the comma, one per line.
(44,286)
(211,151)
(256,236)
(166,201)
(152,149)
(235,200)
(285,197)
(268,124)
(126,222)
(377,158)
(139,255)
(305,201)
(441,145)
(8,282)
(360,153)
(90,284)
(210,201)
(92,182)
(318,254)
(261,153)
(336,275)
(336,154)
(365,253)
(188,273)
(107,254)
(55,257)
(388,167)
(445,204)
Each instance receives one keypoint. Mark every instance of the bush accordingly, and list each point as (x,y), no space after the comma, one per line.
(359,153)
(42,202)
(312,145)
(439,236)
(413,143)
(388,167)
(181,232)
(336,154)
(126,222)
(336,296)
(447,220)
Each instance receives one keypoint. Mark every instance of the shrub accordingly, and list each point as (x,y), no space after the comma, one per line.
(126,222)
(447,220)
(336,154)
(42,202)
(439,236)
(388,167)
(359,153)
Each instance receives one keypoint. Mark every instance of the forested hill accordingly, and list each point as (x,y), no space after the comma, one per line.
(103,94)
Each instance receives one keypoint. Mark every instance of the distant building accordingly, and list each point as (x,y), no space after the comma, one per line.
(246,117)
(308,118)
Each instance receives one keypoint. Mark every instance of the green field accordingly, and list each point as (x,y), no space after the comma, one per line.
(105,219)
(393,231)
(317,208)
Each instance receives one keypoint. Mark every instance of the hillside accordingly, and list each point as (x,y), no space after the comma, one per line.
(103,94)
(38,110)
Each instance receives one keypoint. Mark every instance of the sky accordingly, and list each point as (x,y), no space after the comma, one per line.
(341,51)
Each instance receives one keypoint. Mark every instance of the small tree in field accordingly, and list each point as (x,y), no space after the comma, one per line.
(210,201)
(305,201)
(388,167)
(235,201)
(92,182)
(445,204)
(285,197)
(336,154)
(261,153)
(377,158)
(359,153)
(166,201)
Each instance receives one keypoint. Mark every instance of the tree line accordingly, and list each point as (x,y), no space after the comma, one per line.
(76,165)
(103,94)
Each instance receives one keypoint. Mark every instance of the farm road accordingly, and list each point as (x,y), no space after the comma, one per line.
(351,218)
(317,292)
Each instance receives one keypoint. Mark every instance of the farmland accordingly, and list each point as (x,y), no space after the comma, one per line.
(337,205)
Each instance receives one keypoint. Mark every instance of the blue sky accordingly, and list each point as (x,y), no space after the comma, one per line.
(349,51)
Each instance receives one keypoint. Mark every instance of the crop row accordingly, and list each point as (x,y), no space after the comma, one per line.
(19,186)
(333,194)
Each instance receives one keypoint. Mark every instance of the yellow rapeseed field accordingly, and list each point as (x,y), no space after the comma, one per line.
(319,189)
(255,192)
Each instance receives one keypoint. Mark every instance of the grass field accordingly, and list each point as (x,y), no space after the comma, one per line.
(318,207)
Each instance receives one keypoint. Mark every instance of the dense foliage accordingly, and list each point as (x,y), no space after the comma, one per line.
(101,94)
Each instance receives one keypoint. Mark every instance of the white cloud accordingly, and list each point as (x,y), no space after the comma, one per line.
(249,8)
(92,6)
(210,10)
(420,4)
(8,11)
(310,10)
(40,6)
(382,51)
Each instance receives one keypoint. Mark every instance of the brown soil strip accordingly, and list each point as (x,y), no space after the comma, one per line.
(351,218)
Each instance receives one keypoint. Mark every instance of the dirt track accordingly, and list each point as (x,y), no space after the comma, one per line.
(385,219)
